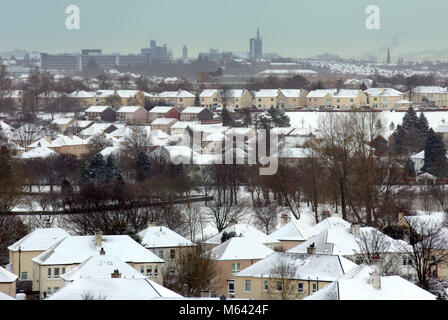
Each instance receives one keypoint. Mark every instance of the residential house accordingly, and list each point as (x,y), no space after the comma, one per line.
(294,98)
(85,98)
(231,257)
(62,124)
(165,243)
(99,128)
(104,113)
(349,240)
(292,232)
(22,251)
(179,127)
(132,115)
(196,114)
(267,98)
(289,276)
(349,99)
(163,124)
(163,112)
(8,282)
(210,98)
(74,250)
(384,98)
(321,98)
(70,145)
(239,99)
(242,230)
(178,99)
(106,277)
(434,94)
(366,283)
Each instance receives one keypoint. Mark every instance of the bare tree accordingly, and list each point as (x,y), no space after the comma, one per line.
(282,281)
(375,245)
(222,211)
(428,247)
(266,217)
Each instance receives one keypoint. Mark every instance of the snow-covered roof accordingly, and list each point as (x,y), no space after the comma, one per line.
(182,124)
(331,222)
(4,296)
(240,248)
(193,109)
(383,92)
(244,230)
(93,278)
(62,140)
(97,108)
(341,241)
(39,239)
(267,93)
(127,93)
(76,249)
(62,121)
(344,93)
(38,152)
(176,94)
(295,153)
(104,93)
(162,237)
(294,231)
(320,93)
(7,276)
(163,121)
(207,93)
(304,266)
(126,109)
(82,94)
(430,89)
(355,285)
(160,109)
(291,93)
(121,132)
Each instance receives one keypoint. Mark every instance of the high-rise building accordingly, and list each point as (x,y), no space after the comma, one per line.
(256,45)
(155,53)
(185,52)
(388,56)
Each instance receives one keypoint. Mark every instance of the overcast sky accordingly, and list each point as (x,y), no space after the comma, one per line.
(290,27)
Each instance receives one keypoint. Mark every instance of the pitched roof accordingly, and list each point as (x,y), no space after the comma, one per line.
(320,93)
(176,94)
(93,277)
(294,231)
(355,285)
(163,121)
(244,230)
(322,267)
(384,92)
(97,108)
(206,93)
(76,249)
(7,276)
(193,109)
(129,109)
(162,237)
(160,109)
(240,248)
(39,239)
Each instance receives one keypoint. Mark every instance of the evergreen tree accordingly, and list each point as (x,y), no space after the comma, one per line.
(363,86)
(273,117)
(410,169)
(111,170)
(435,156)
(143,167)
(98,168)
(423,128)
(407,136)
(85,174)
(227,120)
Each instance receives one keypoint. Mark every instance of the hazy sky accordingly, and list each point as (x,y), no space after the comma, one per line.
(290,27)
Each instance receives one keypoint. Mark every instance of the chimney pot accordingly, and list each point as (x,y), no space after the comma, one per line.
(116,274)
(311,249)
(98,236)
(285,219)
(102,252)
(326,214)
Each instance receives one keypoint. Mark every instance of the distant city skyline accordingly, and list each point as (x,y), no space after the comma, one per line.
(288,27)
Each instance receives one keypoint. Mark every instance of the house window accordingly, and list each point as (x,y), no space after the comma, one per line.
(272,99)
(314,287)
(248,286)
(259,99)
(56,273)
(231,286)
(49,273)
(265,285)
(142,269)
(148,271)
(172,253)
(279,286)
(156,271)
(161,254)
(181,99)
(24,276)
(300,287)
(235,268)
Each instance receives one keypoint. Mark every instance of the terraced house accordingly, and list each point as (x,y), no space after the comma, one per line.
(384,98)
(178,99)
(74,250)
(434,94)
